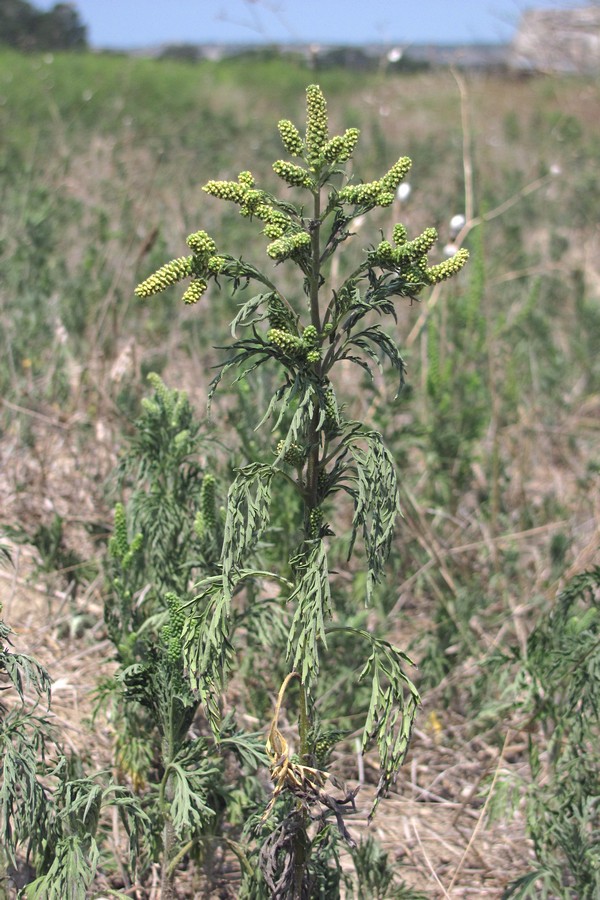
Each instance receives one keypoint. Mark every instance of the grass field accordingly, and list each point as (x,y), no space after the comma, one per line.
(496,434)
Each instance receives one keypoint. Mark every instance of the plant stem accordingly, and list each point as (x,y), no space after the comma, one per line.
(312,475)
(315,318)
(315,313)
(167,875)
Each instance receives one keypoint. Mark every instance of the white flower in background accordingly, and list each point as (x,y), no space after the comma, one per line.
(450,249)
(403,192)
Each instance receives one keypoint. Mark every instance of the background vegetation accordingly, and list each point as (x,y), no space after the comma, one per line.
(495,434)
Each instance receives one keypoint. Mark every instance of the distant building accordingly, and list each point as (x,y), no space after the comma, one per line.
(558,40)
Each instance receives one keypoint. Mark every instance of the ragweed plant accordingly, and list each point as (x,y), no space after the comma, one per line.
(307,335)
(559,681)
(168,528)
(51,814)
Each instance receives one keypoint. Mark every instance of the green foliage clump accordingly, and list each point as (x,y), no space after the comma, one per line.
(168,528)
(49,809)
(562,675)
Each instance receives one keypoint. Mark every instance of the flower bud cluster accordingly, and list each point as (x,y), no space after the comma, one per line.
(295,455)
(289,344)
(289,245)
(246,179)
(253,199)
(195,290)
(399,234)
(295,176)
(380,192)
(396,174)
(332,415)
(369,194)
(201,244)
(420,245)
(315,521)
(119,544)
(206,520)
(173,644)
(215,265)
(176,613)
(341,147)
(292,140)
(171,633)
(200,266)
(296,347)
(226,190)
(310,336)
(241,192)
(448,267)
(278,313)
(166,276)
(277,223)
(414,251)
(316,123)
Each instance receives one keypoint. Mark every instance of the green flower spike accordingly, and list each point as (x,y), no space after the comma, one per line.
(215,265)
(195,290)
(201,243)
(290,136)
(396,174)
(419,246)
(448,268)
(341,147)
(295,455)
(316,123)
(278,313)
(294,175)
(253,200)
(310,336)
(226,190)
(351,136)
(385,253)
(288,343)
(399,234)
(287,246)
(246,179)
(361,193)
(167,275)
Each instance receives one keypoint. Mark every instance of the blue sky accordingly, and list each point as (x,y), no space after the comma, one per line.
(135,23)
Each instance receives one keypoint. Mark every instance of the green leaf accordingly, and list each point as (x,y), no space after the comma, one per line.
(313,597)
(376,501)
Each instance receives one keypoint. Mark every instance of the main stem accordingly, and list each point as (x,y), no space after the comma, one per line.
(301,841)
(167,878)
(315,319)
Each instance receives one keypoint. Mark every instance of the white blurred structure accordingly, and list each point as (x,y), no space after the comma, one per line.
(457,222)
(558,40)
(403,192)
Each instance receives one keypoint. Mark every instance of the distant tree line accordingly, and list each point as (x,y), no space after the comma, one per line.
(26,28)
